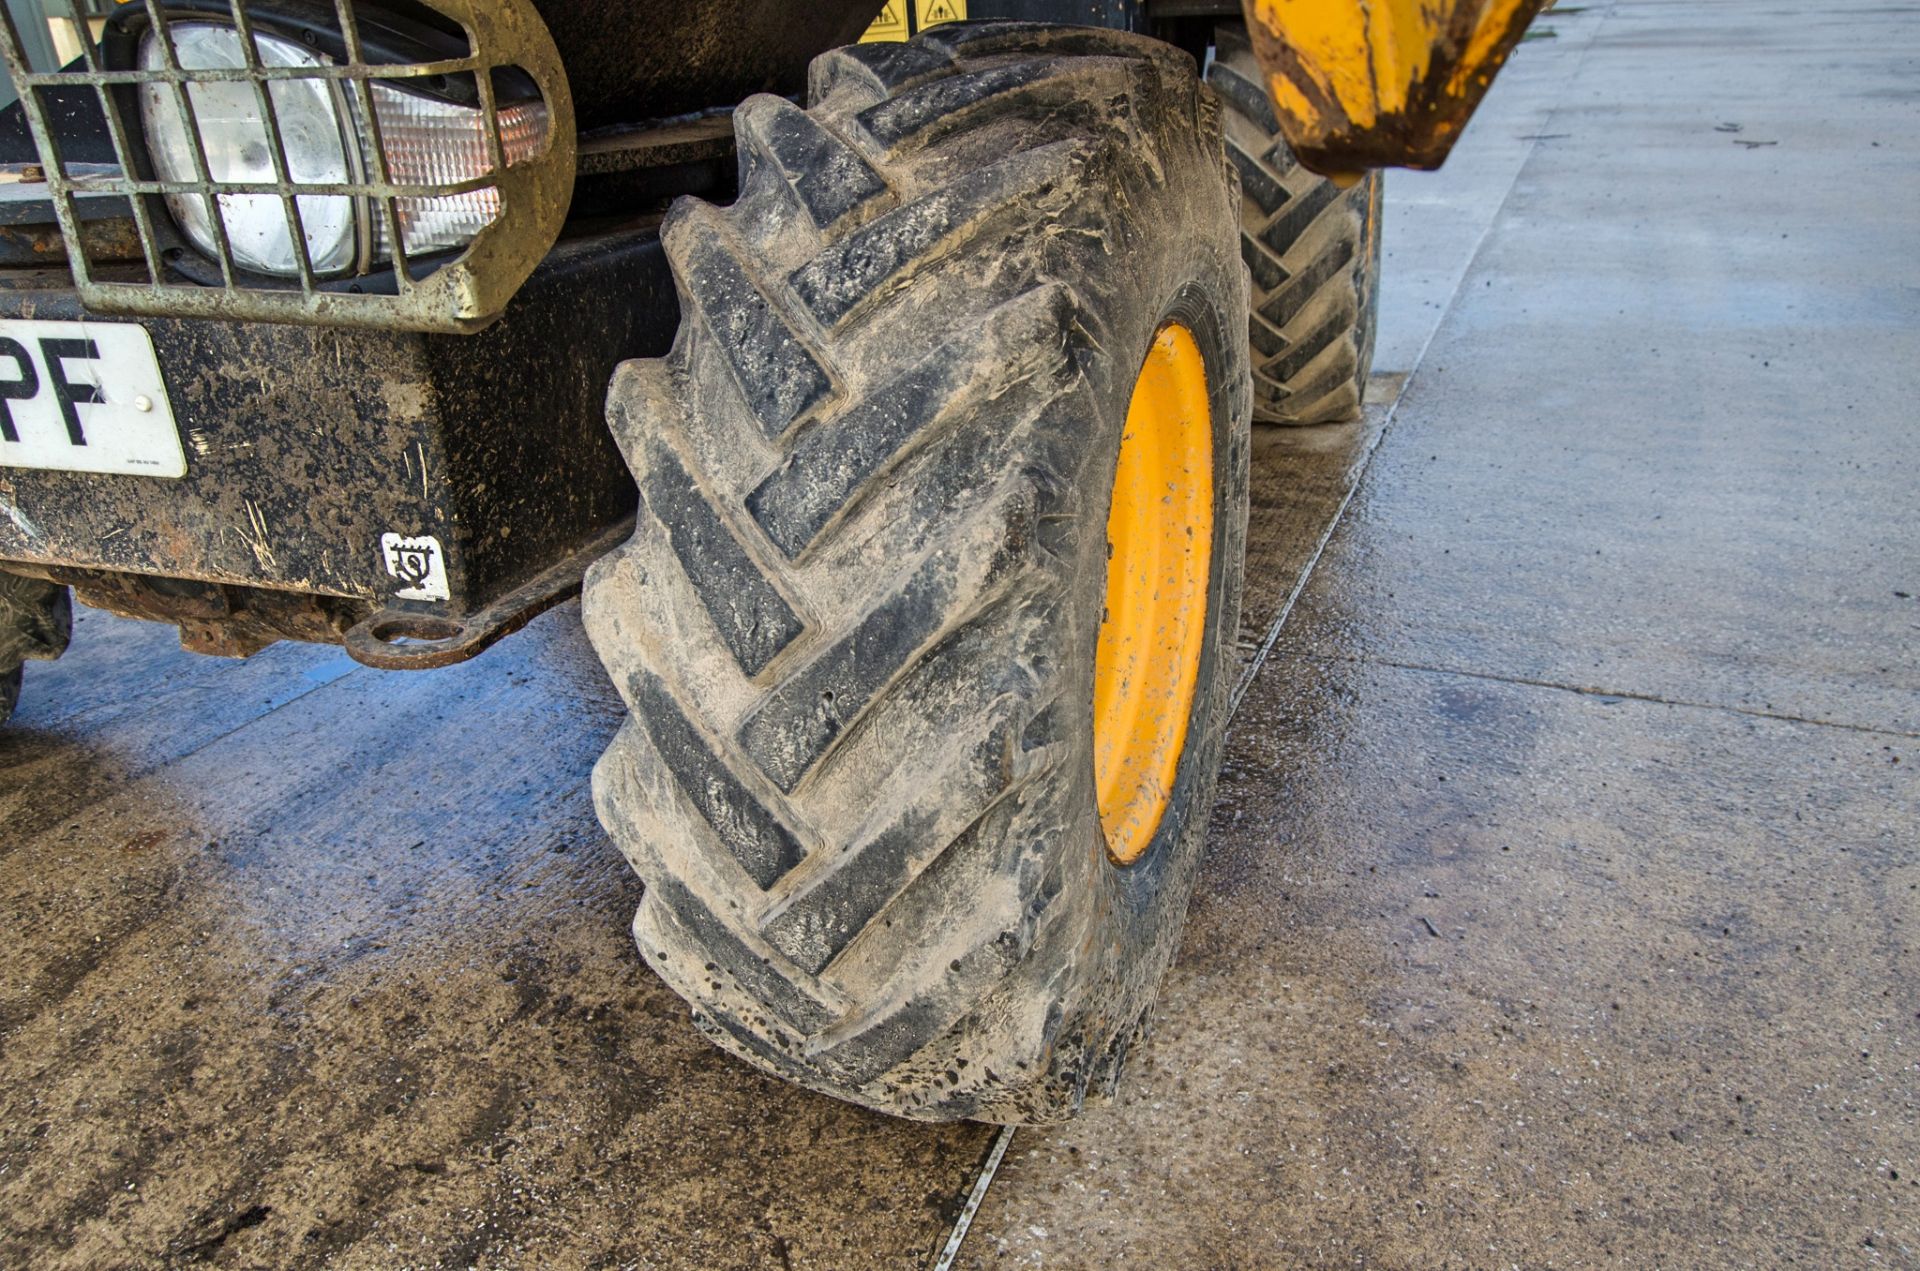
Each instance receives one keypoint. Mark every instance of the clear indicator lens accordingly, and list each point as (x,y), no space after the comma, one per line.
(431,142)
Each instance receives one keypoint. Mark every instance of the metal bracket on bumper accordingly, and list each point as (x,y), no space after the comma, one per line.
(408,640)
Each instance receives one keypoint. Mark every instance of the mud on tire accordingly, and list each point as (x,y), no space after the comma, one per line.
(36,621)
(1314,253)
(856,622)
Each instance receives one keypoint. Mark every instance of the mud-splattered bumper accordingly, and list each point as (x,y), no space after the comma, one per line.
(370,469)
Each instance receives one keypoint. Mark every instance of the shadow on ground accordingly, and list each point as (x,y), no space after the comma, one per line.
(311,964)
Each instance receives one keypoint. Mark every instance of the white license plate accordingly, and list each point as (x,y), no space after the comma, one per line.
(85,397)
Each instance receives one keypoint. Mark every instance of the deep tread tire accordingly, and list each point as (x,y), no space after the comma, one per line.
(36,621)
(857,619)
(1313,251)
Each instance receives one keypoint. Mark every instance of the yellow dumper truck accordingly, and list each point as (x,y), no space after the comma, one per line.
(890,401)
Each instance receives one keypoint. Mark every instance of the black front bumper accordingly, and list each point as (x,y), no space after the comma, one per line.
(307,446)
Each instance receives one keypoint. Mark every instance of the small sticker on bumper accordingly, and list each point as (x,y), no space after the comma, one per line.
(418,563)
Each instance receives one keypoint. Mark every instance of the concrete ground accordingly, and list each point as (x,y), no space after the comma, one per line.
(1562,899)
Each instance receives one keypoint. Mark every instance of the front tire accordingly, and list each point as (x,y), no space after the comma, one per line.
(36,621)
(859,620)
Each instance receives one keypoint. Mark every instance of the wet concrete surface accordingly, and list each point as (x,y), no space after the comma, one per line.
(318,965)
(1563,897)
(349,983)
(1485,974)
(1563,890)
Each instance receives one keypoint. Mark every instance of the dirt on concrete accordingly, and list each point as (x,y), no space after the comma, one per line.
(1562,899)
(1565,886)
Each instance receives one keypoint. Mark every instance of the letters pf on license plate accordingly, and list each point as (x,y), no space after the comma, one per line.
(85,397)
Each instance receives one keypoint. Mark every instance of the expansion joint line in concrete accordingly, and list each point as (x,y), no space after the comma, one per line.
(982,1181)
(1588,690)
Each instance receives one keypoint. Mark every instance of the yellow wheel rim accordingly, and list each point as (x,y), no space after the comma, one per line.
(1159,559)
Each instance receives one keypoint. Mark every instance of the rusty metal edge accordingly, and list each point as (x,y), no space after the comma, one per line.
(476,632)
(1440,102)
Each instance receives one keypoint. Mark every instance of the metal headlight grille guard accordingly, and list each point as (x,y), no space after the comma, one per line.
(462,294)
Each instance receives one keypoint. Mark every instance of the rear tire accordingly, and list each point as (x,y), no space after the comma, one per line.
(1314,253)
(36,621)
(857,621)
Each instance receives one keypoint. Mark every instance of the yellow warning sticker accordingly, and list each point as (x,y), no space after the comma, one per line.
(930,12)
(890,25)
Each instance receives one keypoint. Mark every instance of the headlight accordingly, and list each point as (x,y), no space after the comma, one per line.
(425,141)
(238,149)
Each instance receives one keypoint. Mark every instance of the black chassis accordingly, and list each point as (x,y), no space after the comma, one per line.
(307,445)
(312,448)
